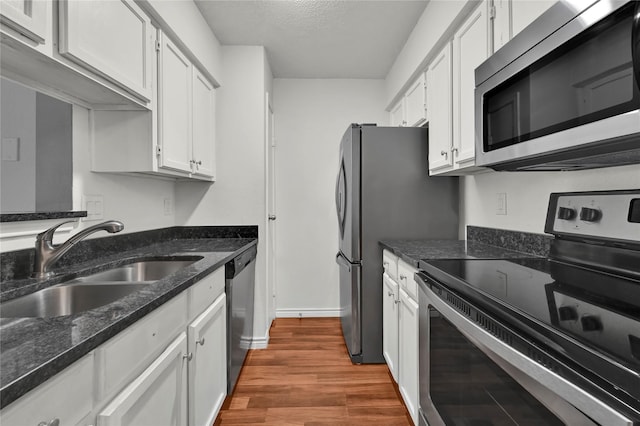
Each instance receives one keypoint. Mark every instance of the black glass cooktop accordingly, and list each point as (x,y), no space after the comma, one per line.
(597,312)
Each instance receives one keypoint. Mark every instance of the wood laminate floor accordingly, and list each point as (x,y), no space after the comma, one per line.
(305,378)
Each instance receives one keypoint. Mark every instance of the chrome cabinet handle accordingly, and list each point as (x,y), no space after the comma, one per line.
(396,301)
(188,356)
(272,217)
(385,264)
(445,153)
(390,293)
(403,277)
(200,342)
(454,150)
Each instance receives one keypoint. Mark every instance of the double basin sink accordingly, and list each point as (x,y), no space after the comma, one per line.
(92,291)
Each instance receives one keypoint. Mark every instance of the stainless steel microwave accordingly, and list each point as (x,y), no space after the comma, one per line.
(564,93)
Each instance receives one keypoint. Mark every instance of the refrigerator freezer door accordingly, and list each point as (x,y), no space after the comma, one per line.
(350,279)
(348,195)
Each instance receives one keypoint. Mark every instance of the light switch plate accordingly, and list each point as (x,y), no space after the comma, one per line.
(501,203)
(94,205)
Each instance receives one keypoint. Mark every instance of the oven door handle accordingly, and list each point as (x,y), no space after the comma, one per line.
(635,43)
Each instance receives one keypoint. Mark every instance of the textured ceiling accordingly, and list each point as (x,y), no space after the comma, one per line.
(318,39)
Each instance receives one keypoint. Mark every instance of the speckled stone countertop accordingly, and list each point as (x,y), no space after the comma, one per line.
(481,243)
(34,349)
(413,251)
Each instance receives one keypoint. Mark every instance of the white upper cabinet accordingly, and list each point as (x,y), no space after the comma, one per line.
(451,88)
(186,115)
(416,102)
(470,48)
(440,110)
(204,114)
(28,17)
(112,38)
(397,115)
(174,107)
(411,109)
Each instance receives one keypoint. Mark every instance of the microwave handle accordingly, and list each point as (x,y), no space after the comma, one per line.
(635,43)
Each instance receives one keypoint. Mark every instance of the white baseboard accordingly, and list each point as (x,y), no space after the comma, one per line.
(260,342)
(307,313)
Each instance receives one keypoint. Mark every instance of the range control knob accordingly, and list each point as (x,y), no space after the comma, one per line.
(591,323)
(566,213)
(590,215)
(567,313)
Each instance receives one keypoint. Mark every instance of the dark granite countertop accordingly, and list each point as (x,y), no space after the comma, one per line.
(413,251)
(34,349)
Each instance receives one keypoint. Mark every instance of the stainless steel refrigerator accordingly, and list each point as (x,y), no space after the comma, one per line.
(383,191)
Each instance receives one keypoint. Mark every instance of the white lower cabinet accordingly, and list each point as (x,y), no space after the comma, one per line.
(207,385)
(408,353)
(390,324)
(67,397)
(400,328)
(158,396)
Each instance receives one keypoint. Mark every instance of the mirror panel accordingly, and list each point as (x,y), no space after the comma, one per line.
(36,169)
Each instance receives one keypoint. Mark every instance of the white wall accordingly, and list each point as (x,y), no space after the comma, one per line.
(238,195)
(528,194)
(311,117)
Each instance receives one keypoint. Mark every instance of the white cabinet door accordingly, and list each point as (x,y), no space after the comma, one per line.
(397,114)
(390,324)
(408,354)
(158,396)
(203,125)
(121,52)
(174,113)
(470,49)
(28,17)
(207,336)
(416,103)
(524,12)
(512,16)
(439,110)
(68,397)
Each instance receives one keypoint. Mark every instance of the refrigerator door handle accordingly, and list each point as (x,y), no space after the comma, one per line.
(342,261)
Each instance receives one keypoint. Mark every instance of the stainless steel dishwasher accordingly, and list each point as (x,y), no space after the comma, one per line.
(239,287)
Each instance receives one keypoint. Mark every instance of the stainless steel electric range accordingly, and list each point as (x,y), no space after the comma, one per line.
(532,340)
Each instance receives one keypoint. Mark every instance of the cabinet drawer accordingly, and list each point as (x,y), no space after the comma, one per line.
(390,264)
(205,292)
(68,396)
(127,354)
(406,279)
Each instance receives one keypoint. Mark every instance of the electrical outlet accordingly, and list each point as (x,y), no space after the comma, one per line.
(168,207)
(94,205)
(501,203)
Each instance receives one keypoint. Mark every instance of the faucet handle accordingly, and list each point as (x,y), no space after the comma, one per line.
(47,236)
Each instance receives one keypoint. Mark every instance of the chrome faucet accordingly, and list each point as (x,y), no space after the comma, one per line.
(47,254)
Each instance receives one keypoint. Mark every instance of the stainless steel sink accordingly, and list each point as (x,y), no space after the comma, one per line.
(90,292)
(144,271)
(66,299)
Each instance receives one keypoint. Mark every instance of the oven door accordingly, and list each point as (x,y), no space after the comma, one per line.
(538,102)
(468,374)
